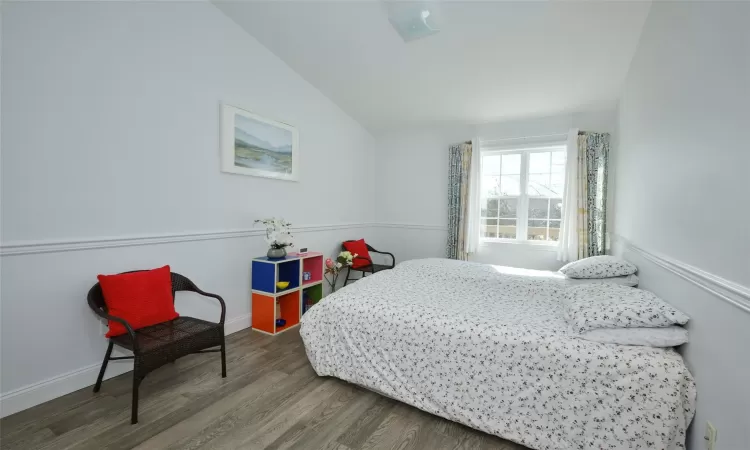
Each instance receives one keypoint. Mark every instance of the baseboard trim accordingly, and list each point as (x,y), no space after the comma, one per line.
(55,246)
(57,386)
(729,291)
(236,324)
(51,388)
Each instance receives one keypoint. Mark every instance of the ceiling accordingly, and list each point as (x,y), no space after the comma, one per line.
(491,61)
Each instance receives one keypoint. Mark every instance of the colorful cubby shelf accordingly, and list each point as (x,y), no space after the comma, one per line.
(270,303)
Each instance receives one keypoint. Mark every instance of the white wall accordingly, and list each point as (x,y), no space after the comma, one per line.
(682,187)
(110,131)
(414,185)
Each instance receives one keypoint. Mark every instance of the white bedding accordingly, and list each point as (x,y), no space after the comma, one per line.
(491,350)
(627,280)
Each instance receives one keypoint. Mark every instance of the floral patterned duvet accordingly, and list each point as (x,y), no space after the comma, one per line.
(493,351)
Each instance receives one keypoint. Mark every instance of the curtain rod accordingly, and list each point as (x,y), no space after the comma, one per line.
(526,137)
(565,135)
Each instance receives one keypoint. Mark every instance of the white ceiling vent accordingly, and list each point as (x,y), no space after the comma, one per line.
(414,20)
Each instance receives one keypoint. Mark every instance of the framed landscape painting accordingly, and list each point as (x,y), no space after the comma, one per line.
(253,145)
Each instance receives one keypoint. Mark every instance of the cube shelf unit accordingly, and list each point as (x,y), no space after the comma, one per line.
(270,303)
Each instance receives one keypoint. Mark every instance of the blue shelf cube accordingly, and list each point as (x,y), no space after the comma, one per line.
(288,271)
(264,276)
(266,272)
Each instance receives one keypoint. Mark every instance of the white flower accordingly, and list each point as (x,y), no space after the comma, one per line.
(277,231)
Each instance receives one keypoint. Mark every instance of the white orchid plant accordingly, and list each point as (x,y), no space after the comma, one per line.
(278,234)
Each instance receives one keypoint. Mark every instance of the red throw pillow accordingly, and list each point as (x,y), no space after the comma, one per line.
(360,249)
(141,298)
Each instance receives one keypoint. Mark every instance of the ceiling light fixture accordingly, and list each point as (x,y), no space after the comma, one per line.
(413,20)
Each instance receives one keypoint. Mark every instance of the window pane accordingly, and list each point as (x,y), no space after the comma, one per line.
(511,164)
(537,230)
(538,208)
(491,165)
(490,208)
(557,183)
(510,185)
(555,210)
(507,207)
(537,234)
(554,230)
(558,159)
(488,228)
(539,162)
(507,229)
(490,186)
(539,186)
(501,191)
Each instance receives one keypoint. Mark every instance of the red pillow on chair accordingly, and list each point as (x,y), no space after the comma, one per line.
(141,298)
(360,249)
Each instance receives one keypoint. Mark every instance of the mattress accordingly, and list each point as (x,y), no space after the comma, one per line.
(492,351)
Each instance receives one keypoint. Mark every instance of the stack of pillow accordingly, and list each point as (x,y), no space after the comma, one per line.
(616,314)
(601,269)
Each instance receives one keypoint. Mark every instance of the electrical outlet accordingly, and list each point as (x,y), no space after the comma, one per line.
(710,436)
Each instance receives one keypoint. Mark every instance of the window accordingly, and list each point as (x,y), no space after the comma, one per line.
(521,194)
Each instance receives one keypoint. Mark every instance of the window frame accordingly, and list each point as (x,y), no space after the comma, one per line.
(522,207)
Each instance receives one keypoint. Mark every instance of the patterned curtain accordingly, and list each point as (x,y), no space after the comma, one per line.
(593,157)
(458,200)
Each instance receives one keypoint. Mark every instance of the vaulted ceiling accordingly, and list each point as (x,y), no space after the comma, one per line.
(491,61)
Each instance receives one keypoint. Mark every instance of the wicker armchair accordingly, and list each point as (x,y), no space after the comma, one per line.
(372,267)
(162,343)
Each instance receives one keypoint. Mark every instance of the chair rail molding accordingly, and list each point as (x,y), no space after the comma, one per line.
(411,226)
(15,248)
(729,291)
(67,245)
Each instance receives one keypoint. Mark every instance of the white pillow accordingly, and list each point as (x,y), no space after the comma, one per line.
(593,306)
(627,280)
(604,266)
(649,337)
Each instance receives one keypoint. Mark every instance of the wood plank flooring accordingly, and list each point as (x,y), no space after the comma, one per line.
(271,399)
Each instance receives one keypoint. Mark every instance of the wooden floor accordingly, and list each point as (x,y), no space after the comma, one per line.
(271,399)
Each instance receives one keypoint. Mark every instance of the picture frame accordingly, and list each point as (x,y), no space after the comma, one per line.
(256,146)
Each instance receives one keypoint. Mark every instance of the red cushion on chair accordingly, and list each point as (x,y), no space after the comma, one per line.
(360,249)
(141,298)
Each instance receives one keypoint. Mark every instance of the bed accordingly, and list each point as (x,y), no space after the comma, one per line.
(490,349)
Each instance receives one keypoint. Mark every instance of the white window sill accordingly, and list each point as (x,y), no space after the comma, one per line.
(531,245)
